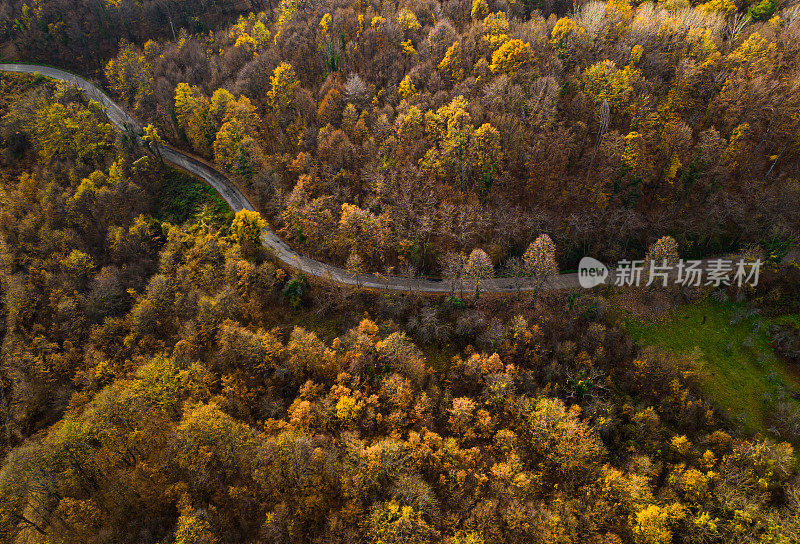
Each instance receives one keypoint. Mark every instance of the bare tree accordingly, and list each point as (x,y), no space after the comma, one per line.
(539,261)
(452,266)
(479,266)
(605,119)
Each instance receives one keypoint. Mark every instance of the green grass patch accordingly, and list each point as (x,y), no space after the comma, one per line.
(184,198)
(739,370)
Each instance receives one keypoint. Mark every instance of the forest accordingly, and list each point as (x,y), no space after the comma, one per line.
(164,379)
(414,133)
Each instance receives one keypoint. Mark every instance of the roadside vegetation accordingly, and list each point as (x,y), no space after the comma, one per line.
(183,198)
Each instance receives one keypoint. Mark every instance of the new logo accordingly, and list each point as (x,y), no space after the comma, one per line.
(591,272)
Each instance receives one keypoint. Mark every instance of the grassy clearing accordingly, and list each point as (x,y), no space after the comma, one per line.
(740,371)
(185,198)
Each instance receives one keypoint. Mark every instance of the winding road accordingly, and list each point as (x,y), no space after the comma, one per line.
(285,254)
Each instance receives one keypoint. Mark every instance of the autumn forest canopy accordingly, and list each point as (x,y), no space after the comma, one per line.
(164,379)
(404,133)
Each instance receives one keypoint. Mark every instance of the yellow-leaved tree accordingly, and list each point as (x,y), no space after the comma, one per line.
(246,231)
(452,64)
(604,81)
(486,153)
(283,85)
(480,9)
(511,57)
(408,21)
(569,38)
(497,28)
(406,89)
(129,76)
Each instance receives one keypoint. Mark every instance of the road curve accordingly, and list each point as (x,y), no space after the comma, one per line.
(288,256)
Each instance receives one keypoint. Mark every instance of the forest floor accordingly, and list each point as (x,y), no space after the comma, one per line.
(184,197)
(738,367)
